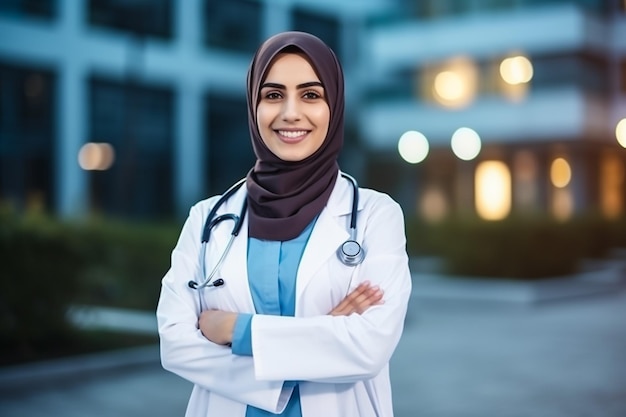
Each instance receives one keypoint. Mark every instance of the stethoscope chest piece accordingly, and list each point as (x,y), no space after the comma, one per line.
(351,253)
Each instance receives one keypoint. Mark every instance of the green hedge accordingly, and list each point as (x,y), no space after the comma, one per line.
(48,265)
(41,266)
(522,248)
(125,263)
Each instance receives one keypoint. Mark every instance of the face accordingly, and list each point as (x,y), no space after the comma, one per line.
(292,114)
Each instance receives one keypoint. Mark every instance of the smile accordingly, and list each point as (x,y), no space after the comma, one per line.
(292,135)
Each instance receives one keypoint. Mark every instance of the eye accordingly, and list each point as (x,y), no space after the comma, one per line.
(311,95)
(273,95)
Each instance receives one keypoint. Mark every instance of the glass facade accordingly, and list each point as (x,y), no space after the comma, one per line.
(26,136)
(588,72)
(433,9)
(43,9)
(324,26)
(581,70)
(229,154)
(152,18)
(233,24)
(137,121)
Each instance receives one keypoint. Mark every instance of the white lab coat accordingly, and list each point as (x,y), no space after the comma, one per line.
(342,362)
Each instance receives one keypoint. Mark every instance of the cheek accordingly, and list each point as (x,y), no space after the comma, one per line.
(263,121)
(323,120)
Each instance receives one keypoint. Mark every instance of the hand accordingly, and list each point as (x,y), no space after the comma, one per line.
(363,297)
(217,326)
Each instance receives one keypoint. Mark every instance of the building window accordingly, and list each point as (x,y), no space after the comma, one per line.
(323,26)
(136,122)
(151,18)
(229,150)
(526,182)
(26,136)
(233,24)
(583,70)
(45,9)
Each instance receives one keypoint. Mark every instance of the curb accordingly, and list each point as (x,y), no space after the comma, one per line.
(77,368)
(434,287)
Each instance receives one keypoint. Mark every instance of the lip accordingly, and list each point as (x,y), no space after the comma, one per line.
(280,133)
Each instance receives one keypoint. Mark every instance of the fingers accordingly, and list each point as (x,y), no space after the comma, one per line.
(359,300)
(217,326)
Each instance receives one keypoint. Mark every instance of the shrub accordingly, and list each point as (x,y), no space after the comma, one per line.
(48,265)
(41,262)
(522,248)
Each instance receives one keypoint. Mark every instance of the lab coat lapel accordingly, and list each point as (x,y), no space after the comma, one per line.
(329,233)
(325,239)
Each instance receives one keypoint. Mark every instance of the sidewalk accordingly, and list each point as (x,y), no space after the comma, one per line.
(460,356)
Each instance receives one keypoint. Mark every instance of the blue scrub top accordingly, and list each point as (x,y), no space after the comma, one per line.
(272,270)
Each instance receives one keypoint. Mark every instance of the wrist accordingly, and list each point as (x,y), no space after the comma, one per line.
(230,328)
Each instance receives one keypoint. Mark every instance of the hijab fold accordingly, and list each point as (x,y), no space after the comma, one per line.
(285,196)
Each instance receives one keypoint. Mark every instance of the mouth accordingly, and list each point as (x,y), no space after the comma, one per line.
(291,136)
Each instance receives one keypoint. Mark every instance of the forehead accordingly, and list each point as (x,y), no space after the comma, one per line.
(295,66)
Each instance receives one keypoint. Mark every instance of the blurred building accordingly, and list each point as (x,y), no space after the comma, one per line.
(137,108)
(518,100)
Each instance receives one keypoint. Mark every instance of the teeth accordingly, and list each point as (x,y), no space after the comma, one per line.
(292,134)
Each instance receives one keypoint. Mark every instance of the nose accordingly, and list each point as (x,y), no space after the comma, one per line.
(291,110)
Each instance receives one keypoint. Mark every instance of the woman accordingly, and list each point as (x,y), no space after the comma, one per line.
(292,330)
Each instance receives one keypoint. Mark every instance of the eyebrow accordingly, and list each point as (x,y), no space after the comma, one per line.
(299,86)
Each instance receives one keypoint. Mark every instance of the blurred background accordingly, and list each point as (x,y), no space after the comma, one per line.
(499,126)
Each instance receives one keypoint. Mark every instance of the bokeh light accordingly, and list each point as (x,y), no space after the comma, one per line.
(433,205)
(516,70)
(413,147)
(465,143)
(449,85)
(560,173)
(96,156)
(493,190)
(456,82)
(620,132)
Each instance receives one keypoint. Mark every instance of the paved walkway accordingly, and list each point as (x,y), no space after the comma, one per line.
(459,357)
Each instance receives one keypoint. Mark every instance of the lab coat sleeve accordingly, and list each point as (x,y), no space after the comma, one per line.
(187,353)
(338,349)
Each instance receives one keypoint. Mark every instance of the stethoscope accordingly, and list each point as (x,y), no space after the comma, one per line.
(350,252)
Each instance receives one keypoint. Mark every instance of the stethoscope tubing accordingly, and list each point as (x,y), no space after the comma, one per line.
(353,258)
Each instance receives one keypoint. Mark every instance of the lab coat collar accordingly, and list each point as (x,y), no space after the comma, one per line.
(340,201)
(329,233)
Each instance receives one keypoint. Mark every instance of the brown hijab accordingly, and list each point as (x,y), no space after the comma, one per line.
(285,196)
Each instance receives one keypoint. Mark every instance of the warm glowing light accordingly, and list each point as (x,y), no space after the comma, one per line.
(433,205)
(620,132)
(96,156)
(493,190)
(449,85)
(465,143)
(611,186)
(455,82)
(413,147)
(562,204)
(516,70)
(560,173)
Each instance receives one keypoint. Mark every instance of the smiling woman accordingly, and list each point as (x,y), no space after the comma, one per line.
(289,326)
(292,117)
